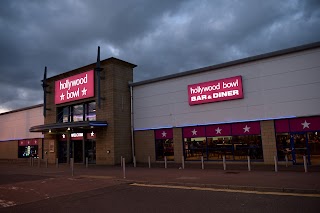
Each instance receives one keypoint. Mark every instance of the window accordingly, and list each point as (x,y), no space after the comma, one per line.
(76,113)
(164,144)
(90,114)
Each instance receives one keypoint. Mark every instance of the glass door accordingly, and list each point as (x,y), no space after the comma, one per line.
(299,147)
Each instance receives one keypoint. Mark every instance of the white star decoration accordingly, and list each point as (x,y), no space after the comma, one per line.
(218,130)
(62,97)
(305,124)
(246,129)
(194,132)
(63,136)
(84,91)
(92,134)
(164,134)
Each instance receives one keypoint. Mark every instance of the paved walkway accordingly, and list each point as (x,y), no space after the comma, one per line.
(22,183)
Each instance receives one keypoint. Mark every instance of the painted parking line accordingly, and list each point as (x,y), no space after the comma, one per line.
(225,190)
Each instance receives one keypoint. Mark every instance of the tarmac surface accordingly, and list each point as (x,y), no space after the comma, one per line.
(22,183)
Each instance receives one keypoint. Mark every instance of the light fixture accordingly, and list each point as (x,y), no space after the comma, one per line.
(49,130)
(68,129)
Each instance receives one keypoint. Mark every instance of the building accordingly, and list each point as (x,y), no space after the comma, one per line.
(262,106)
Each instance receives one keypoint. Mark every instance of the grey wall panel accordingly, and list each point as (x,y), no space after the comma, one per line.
(277,87)
(16,125)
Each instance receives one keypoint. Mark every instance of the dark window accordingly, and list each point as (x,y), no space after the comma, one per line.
(164,147)
(233,147)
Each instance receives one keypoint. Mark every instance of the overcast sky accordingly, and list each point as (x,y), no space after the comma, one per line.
(161,37)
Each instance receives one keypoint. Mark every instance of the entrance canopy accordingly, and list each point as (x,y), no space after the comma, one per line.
(63,127)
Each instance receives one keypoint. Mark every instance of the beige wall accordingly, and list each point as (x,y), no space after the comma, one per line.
(268,141)
(178,147)
(144,146)
(9,150)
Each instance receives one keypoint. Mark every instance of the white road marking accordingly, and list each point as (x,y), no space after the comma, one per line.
(225,190)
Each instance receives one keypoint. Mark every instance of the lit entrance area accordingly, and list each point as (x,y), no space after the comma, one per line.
(80,148)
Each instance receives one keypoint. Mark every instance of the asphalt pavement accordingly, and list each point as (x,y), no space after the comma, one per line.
(22,183)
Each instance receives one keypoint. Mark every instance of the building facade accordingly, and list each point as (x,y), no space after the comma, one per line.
(262,106)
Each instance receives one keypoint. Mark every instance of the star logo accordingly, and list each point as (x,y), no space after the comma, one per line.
(92,134)
(84,91)
(218,130)
(305,124)
(62,97)
(246,129)
(194,132)
(63,136)
(164,134)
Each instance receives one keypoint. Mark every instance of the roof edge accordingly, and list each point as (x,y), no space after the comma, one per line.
(22,109)
(232,63)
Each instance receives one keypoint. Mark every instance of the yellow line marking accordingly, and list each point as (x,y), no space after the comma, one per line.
(97,176)
(226,190)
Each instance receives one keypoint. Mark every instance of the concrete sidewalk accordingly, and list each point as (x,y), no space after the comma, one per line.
(260,178)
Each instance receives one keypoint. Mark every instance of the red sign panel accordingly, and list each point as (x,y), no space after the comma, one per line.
(77,136)
(74,88)
(218,130)
(304,124)
(194,132)
(164,133)
(213,91)
(246,128)
(29,142)
(282,125)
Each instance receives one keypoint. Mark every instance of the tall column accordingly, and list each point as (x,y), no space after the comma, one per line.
(268,138)
(84,138)
(68,146)
(178,144)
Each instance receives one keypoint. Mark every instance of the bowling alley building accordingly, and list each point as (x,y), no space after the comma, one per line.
(262,106)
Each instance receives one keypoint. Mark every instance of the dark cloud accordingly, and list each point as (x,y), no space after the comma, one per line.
(161,37)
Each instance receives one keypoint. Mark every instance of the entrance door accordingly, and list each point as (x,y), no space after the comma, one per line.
(76,151)
(299,147)
(91,150)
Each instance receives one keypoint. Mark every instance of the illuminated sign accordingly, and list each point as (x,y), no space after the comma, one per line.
(74,88)
(214,91)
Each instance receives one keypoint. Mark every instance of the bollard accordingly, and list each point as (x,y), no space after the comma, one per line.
(124,167)
(121,159)
(249,164)
(202,163)
(57,162)
(87,162)
(224,163)
(286,157)
(182,158)
(71,163)
(165,162)
(149,161)
(305,163)
(275,163)
(134,162)
(46,162)
(39,162)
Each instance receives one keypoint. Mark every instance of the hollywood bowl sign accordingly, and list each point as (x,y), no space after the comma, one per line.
(214,91)
(74,88)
